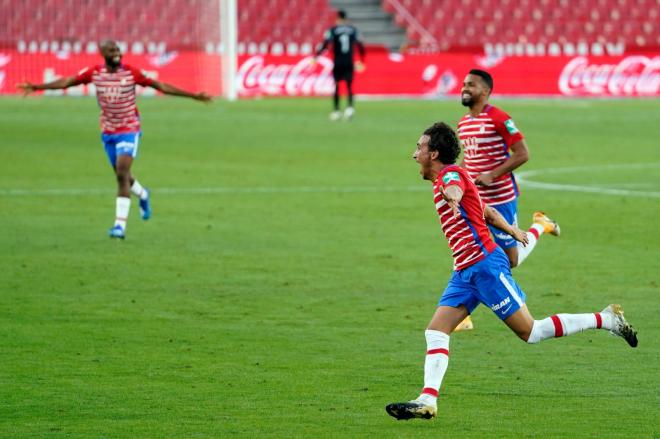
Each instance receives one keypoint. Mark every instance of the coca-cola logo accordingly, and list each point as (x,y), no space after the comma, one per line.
(632,76)
(305,77)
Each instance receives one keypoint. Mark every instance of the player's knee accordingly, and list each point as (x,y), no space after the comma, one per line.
(123,175)
(513,262)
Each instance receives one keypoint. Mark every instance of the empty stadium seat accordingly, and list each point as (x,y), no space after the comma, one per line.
(174,24)
(462,24)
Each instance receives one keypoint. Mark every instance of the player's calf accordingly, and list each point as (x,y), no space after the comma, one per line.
(562,325)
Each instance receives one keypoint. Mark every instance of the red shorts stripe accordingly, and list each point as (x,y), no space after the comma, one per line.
(438,351)
(430,391)
(534,232)
(559,331)
(599,320)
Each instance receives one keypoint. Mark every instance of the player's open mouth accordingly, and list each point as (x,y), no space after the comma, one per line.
(466,95)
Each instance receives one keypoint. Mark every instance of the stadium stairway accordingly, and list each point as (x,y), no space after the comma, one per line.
(375,25)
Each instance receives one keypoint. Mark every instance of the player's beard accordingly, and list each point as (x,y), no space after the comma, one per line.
(467,102)
(113,61)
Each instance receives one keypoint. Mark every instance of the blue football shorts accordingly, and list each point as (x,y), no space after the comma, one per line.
(120,144)
(489,281)
(510,213)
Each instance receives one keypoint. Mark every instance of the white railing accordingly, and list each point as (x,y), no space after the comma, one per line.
(427,37)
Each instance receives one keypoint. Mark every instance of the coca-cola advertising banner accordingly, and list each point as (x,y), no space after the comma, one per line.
(385,75)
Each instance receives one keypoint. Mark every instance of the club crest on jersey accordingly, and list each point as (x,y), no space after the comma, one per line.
(482,129)
(510,126)
(450,176)
(470,146)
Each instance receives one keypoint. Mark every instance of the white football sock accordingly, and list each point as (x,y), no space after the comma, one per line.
(561,325)
(139,190)
(435,365)
(533,234)
(123,206)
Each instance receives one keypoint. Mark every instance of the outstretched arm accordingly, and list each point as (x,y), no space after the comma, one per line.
(169,89)
(65,82)
(496,219)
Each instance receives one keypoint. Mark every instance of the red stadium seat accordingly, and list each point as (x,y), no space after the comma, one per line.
(188,24)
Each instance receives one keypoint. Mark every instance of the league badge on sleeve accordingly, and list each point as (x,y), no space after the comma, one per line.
(510,126)
(450,176)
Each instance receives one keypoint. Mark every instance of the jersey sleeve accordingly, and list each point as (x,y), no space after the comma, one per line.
(506,128)
(85,75)
(140,78)
(453,178)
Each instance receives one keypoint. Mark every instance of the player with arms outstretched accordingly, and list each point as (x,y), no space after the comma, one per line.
(120,121)
(482,273)
(344,38)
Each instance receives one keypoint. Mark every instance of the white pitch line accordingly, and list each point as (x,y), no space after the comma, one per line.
(218,190)
(523,179)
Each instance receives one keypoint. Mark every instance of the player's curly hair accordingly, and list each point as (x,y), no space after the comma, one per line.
(443,139)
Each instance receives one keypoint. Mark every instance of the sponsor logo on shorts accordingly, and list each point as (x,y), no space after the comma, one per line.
(502,304)
(502,236)
(126,145)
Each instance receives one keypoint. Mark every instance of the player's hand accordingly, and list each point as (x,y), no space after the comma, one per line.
(203,97)
(485,179)
(360,67)
(520,235)
(452,201)
(26,87)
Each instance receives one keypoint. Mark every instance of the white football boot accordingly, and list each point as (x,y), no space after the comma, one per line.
(620,325)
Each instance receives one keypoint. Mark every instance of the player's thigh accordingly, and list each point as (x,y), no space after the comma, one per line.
(459,294)
(110,147)
(348,77)
(510,213)
(496,287)
(121,149)
(341,73)
(127,150)
(127,144)
(446,318)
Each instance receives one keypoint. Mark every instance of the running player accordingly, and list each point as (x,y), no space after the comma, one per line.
(493,148)
(344,37)
(120,121)
(482,273)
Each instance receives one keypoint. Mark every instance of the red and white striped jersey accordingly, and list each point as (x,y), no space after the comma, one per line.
(467,235)
(486,140)
(115,93)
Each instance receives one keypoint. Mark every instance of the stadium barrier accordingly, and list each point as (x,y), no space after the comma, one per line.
(392,75)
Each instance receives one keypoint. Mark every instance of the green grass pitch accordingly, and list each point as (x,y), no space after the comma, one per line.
(283,285)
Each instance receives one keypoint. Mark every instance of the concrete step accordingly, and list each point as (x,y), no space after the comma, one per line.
(375,25)
(339,4)
(368,14)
